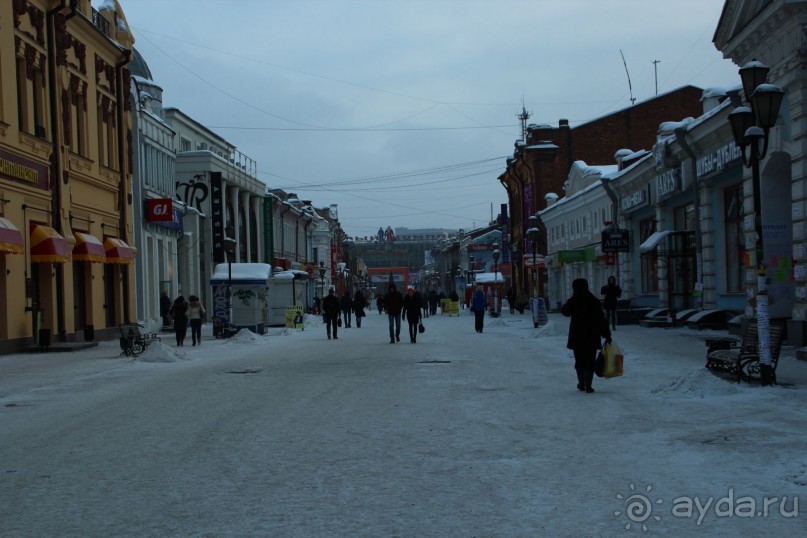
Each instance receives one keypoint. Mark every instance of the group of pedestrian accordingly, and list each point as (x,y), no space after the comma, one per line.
(185,313)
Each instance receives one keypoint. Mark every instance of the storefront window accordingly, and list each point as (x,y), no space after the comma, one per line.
(735,243)
(648,260)
(684,218)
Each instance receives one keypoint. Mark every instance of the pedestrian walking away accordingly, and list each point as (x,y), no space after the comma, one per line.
(393,302)
(586,327)
(330,313)
(347,308)
(379,302)
(359,304)
(196,314)
(611,293)
(479,305)
(179,311)
(412,304)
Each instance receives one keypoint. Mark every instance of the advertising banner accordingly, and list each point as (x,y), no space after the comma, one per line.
(294,317)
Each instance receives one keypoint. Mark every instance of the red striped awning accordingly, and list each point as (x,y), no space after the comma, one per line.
(117,251)
(10,238)
(47,246)
(88,248)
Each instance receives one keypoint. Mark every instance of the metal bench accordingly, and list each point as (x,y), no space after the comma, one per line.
(132,341)
(740,360)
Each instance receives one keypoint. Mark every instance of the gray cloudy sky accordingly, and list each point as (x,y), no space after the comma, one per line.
(403,112)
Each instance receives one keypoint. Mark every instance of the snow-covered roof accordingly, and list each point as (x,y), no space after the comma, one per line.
(488,278)
(243,271)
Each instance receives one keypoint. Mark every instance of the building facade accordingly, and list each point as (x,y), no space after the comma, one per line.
(65,172)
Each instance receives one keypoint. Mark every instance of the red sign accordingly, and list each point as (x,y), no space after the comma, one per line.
(159,210)
(610,258)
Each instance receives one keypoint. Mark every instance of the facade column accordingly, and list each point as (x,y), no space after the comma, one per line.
(255,208)
(247,208)
(232,204)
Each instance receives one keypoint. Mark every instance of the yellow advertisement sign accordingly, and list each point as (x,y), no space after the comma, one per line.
(294,317)
(449,307)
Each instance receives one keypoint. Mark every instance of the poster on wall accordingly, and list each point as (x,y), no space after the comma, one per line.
(294,317)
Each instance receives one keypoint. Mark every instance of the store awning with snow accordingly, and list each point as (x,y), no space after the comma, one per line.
(48,246)
(10,238)
(117,251)
(88,248)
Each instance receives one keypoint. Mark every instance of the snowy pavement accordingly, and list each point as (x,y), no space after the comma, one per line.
(461,434)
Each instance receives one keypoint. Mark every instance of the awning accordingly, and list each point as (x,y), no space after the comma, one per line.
(653,241)
(10,238)
(117,251)
(88,248)
(47,246)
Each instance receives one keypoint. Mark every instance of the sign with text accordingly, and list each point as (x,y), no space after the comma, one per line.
(615,240)
(159,210)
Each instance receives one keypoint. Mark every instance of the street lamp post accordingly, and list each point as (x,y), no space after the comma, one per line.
(532,233)
(750,127)
(229,246)
(322,279)
(496,254)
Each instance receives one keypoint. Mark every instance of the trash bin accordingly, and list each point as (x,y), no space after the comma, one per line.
(89,333)
(44,338)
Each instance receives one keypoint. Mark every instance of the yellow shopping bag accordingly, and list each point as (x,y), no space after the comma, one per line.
(613,360)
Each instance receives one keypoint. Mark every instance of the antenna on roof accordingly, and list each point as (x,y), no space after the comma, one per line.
(630,88)
(523,116)
(655,69)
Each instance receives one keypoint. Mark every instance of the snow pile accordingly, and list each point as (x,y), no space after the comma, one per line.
(245,336)
(159,352)
(701,384)
(312,320)
(551,328)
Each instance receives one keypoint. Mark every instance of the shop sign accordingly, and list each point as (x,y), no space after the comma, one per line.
(217,216)
(717,160)
(159,210)
(635,199)
(23,171)
(615,240)
(668,182)
(576,256)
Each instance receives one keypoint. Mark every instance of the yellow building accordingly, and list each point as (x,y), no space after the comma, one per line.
(65,172)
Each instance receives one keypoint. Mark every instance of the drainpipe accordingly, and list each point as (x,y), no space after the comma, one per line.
(286,209)
(680,137)
(615,201)
(123,197)
(55,162)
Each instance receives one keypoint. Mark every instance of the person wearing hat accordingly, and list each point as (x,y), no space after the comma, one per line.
(411,308)
(330,311)
(587,326)
(196,313)
(393,302)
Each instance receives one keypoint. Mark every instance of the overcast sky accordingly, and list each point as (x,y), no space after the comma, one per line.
(403,112)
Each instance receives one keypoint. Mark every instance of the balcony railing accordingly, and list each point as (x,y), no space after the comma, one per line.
(99,22)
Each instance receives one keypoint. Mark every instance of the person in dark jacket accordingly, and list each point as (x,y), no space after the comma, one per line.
(330,312)
(393,302)
(433,301)
(611,293)
(587,326)
(379,302)
(165,308)
(412,304)
(347,308)
(179,312)
(359,304)
(479,305)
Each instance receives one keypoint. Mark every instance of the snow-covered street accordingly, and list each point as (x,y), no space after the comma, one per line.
(461,434)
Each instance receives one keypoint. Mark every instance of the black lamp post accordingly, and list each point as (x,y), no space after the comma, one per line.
(496,254)
(750,127)
(322,279)
(229,246)
(532,233)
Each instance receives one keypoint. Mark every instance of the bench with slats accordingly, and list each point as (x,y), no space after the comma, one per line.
(740,360)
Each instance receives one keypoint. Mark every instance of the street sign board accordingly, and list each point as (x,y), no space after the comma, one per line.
(615,240)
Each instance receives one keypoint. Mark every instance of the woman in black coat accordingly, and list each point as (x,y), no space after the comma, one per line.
(179,311)
(587,325)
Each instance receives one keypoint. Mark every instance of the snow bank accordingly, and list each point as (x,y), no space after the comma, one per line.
(159,352)
(245,336)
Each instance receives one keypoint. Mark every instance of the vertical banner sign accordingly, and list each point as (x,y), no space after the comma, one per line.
(217,216)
